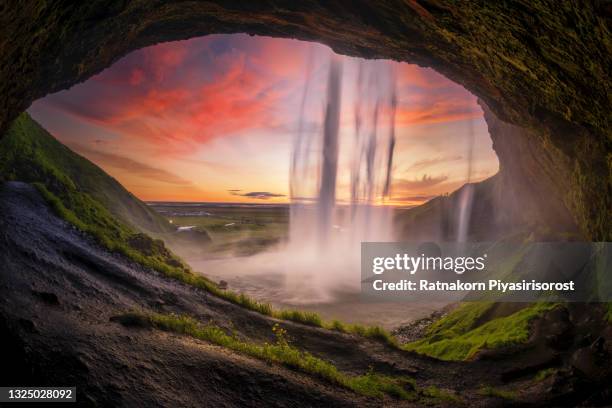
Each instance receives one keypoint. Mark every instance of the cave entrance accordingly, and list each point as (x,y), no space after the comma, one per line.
(204,131)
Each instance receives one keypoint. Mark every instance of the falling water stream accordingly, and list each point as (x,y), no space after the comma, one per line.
(466,193)
(325,232)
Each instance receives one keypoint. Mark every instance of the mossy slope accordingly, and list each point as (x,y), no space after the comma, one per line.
(465,331)
(84,195)
(29,153)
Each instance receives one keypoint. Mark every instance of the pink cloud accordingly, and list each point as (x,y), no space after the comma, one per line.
(177,95)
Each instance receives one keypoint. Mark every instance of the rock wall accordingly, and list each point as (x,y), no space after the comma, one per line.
(544,65)
(532,175)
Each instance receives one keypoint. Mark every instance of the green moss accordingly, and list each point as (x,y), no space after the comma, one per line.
(609,312)
(543,374)
(489,391)
(456,338)
(373,332)
(30,154)
(280,352)
(439,395)
(89,216)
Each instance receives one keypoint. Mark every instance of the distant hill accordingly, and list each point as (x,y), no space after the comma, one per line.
(31,154)
(438,219)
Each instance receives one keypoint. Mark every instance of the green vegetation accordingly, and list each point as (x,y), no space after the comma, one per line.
(308,318)
(240,231)
(373,332)
(438,394)
(459,321)
(544,374)
(91,217)
(281,352)
(459,337)
(303,317)
(489,391)
(30,154)
(83,195)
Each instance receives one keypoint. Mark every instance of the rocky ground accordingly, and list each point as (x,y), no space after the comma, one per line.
(417,328)
(59,292)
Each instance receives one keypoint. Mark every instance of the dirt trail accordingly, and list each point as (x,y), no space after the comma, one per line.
(58,291)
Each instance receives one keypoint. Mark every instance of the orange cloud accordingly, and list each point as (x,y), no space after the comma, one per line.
(131,166)
(424,182)
(428,162)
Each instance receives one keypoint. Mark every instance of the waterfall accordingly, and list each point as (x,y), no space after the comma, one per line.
(329,167)
(328,221)
(466,194)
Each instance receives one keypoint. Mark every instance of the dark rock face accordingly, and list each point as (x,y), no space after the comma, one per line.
(542,66)
(532,176)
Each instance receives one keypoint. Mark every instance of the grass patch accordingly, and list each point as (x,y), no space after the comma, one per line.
(453,338)
(308,318)
(489,391)
(609,312)
(544,374)
(438,394)
(338,326)
(459,321)
(372,332)
(239,299)
(281,352)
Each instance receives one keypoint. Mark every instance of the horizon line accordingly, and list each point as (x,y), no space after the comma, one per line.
(285,204)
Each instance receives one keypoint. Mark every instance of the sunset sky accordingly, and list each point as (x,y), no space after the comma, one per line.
(213,119)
